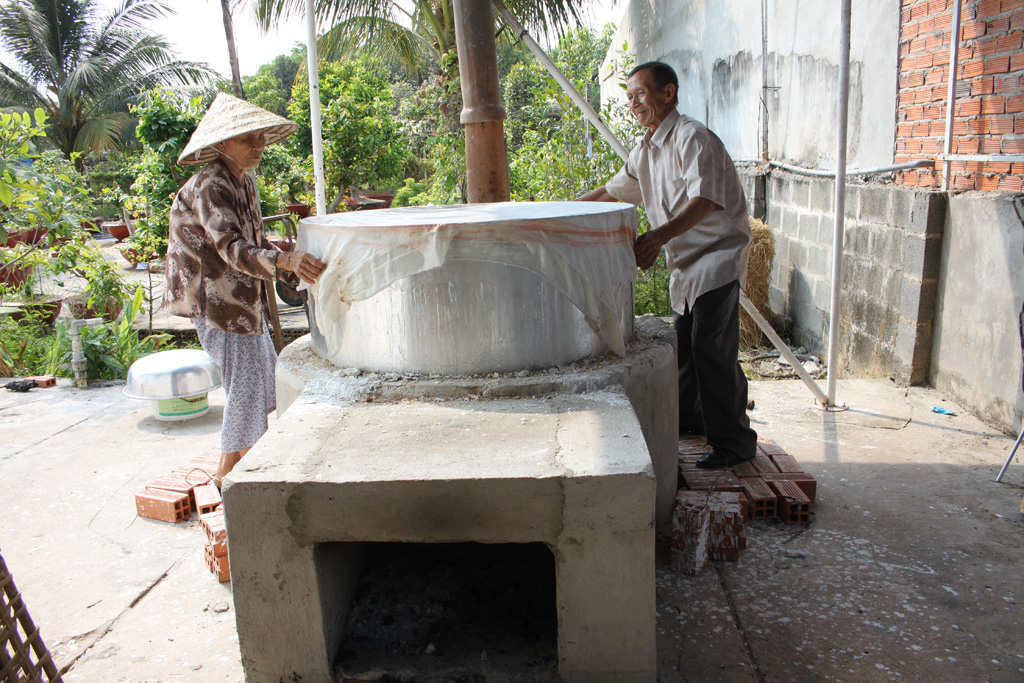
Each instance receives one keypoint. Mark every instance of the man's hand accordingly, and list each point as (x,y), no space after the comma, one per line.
(647,247)
(305,265)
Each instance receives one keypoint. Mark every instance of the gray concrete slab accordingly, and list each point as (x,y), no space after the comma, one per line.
(911,569)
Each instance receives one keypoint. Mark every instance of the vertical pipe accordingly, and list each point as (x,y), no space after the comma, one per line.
(840,201)
(954,57)
(482,113)
(312,66)
(764,80)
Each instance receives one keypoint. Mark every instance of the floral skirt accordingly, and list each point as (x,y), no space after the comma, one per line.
(247,363)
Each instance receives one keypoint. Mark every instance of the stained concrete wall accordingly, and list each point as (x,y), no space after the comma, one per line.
(976,357)
(715,46)
(891,258)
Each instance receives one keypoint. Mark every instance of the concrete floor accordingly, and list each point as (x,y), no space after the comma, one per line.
(911,568)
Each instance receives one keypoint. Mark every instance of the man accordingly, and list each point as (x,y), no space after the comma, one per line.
(684,177)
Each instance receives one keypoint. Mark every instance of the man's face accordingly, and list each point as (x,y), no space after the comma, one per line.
(245,150)
(649,104)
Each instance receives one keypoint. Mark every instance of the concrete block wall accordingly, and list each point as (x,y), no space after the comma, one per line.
(891,259)
(989,113)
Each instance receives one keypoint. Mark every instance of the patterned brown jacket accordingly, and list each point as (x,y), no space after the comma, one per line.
(217,246)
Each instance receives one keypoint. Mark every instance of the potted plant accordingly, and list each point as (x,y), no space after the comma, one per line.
(105,290)
(28,297)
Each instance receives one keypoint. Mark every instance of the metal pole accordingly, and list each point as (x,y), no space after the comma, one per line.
(312,66)
(482,115)
(954,56)
(840,202)
(560,78)
(1007,463)
(764,80)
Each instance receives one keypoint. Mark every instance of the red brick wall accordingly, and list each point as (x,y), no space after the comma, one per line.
(989,113)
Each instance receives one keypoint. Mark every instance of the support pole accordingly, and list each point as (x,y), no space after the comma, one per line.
(483,115)
(954,58)
(312,66)
(840,201)
(560,78)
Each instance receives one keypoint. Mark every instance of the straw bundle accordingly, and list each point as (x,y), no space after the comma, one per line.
(759,270)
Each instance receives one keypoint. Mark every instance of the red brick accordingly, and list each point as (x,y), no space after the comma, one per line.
(971,68)
(938,128)
(917,44)
(910,30)
(1000,25)
(929,146)
(762,498)
(1012,145)
(972,29)
(986,47)
(939,57)
(1015,104)
(43,381)
(983,86)
(904,130)
(907,97)
(1010,5)
(908,178)
(999,167)
(932,112)
(1016,19)
(908,63)
(986,183)
(1011,184)
(936,6)
(806,482)
(942,20)
(971,107)
(207,498)
(1017,61)
(708,480)
(1009,42)
(165,506)
(935,41)
(963,182)
(218,564)
(1001,125)
(690,529)
(794,506)
(905,16)
(927,180)
(997,65)
(1018,168)
(1005,84)
(988,8)
(990,146)
(764,464)
(918,11)
(745,469)
(172,482)
(938,75)
(785,462)
(967,146)
(912,113)
(695,445)
(715,501)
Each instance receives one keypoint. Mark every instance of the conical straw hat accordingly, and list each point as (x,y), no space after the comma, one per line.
(228,117)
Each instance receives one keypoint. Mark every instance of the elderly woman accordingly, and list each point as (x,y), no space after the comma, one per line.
(221,268)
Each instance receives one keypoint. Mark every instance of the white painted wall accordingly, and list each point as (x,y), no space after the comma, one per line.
(715,47)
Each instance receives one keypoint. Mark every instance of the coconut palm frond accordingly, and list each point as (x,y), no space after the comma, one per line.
(102,132)
(379,37)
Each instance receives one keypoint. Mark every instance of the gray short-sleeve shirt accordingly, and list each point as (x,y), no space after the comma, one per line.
(682,160)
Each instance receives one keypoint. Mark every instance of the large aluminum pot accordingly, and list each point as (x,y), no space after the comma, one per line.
(464,317)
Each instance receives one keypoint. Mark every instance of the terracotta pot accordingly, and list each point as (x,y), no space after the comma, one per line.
(300,210)
(90,224)
(386,198)
(14,276)
(32,236)
(135,258)
(45,312)
(117,230)
(78,308)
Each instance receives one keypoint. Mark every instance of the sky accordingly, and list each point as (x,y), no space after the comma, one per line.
(197,33)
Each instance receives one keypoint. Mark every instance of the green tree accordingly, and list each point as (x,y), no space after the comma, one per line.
(271,86)
(83,69)
(362,138)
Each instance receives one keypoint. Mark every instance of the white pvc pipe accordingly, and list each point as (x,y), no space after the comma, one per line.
(312,66)
(568,87)
(954,58)
(840,201)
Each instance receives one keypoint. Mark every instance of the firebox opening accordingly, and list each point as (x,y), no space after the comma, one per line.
(462,611)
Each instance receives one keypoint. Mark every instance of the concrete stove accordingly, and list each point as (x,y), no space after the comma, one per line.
(581,458)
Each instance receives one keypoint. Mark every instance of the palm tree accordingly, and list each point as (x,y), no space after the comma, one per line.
(83,68)
(229,35)
(421,36)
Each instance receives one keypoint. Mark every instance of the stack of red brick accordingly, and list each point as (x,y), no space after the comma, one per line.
(187,489)
(712,505)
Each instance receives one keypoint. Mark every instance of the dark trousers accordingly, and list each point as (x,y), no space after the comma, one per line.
(712,387)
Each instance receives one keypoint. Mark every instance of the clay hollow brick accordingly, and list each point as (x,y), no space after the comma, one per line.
(717,480)
(166,506)
(43,381)
(745,469)
(763,464)
(805,482)
(207,498)
(218,564)
(692,445)
(762,499)
(786,463)
(794,506)
(690,538)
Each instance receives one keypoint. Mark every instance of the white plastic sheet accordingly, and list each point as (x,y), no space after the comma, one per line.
(583,249)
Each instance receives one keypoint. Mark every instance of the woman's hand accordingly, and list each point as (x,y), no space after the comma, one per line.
(303,264)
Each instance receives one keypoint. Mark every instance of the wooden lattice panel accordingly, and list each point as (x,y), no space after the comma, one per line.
(23,655)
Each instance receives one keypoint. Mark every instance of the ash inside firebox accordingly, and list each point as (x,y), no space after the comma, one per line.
(452,613)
